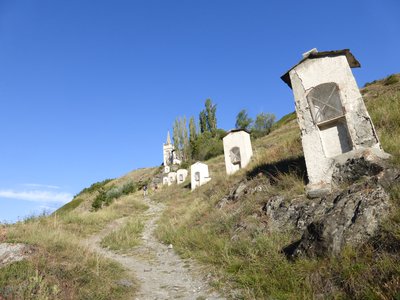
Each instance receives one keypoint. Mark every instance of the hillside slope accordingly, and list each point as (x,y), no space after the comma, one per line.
(228,224)
(224,225)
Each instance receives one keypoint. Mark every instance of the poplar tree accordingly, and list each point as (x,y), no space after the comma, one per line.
(181,138)
(264,122)
(203,121)
(211,110)
(192,129)
(243,121)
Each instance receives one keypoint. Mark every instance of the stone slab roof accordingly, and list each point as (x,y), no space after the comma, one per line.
(353,62)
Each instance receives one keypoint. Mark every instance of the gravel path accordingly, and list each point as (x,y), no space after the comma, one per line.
(162,274)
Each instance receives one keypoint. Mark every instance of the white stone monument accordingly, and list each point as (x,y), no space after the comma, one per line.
(332,117)
(165,180)
(199,174)
(181,175)
(171,178)
(237,150)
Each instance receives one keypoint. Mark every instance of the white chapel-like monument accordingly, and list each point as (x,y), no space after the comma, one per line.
(334,122)
(237,150)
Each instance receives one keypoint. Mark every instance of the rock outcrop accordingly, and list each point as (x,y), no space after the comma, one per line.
(10,253)
(350,216)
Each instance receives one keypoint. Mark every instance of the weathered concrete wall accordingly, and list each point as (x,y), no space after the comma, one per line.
(181,175)
(203,175)
(322,144)
(240,139)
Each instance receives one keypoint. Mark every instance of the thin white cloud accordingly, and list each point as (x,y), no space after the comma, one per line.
(37,196)
(45,186)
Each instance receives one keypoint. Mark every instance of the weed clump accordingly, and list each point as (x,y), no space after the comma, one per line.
(392,79)
(106,196)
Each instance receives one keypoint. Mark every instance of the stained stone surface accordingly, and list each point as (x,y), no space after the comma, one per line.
(10,253)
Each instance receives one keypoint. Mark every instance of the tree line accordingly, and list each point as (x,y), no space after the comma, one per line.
(202,140)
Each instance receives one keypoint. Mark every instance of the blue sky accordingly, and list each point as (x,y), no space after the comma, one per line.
(88,89)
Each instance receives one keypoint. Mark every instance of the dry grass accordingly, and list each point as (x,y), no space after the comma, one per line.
(126,237)
(237,247)
(61,268)
(233,241)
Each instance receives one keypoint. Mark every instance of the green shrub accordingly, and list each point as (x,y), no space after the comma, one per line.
(369,83)
(392,79)
(94,187)
(284,120)
(208,145)
(106,197)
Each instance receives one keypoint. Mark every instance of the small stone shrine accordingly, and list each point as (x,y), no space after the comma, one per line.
(171,178)
(331,114)
(237,150)
(199,174)
(165,180)
(181,175)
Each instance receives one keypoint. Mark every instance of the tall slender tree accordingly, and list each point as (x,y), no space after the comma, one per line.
(211,110)
(181,138)
(203,121)
(192,129)
(243,121)
(264,122)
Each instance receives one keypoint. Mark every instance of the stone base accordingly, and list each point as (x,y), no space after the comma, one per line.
(317,190)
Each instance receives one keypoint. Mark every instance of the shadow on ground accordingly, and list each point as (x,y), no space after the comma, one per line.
(295,166)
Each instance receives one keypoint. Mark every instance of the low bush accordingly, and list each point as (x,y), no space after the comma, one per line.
(106,197)
(392,79)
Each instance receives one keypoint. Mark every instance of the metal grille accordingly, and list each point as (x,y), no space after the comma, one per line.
(325,102)
(197,176)
(235,155)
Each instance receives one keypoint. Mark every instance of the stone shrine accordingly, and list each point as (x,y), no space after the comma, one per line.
(199,174)
(165,180)
(237,150)
(171,178)
(331,114)
(181,175)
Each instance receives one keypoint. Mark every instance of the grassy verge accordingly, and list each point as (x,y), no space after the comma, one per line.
(235,244)
(60,267)
(386,119)
(126,237)
(84,223)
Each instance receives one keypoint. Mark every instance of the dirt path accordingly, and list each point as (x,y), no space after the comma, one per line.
(162,273)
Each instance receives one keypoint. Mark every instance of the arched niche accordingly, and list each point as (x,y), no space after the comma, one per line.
(329,115)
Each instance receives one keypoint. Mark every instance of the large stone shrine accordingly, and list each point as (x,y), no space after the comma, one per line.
(199,174)
(181,175)
(331,114)
(237,150)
